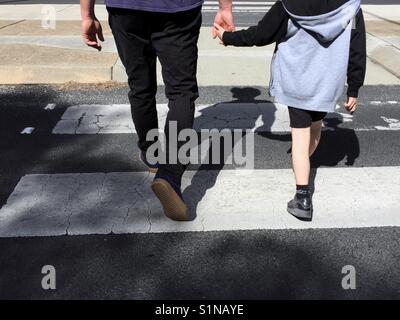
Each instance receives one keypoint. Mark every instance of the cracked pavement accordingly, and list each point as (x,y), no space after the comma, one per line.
(79,204)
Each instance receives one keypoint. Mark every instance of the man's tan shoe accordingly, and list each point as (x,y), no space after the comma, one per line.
(173,205)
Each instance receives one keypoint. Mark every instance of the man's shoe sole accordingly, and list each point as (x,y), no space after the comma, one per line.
(300,214)
(174,207)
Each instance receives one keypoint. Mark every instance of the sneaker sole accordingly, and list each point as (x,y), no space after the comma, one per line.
(301,214)
(174,207)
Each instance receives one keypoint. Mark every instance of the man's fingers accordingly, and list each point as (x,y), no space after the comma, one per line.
(92,33)
(89,41)
(100,34)
(94,45)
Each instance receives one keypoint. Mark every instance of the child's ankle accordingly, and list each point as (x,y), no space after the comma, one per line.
(302,191)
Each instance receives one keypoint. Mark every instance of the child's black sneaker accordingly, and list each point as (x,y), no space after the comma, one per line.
(151,167)
(170,195)
(301,208)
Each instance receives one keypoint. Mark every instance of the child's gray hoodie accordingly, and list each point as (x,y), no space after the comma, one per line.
(310,65)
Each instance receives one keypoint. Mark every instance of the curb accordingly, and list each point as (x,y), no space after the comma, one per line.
(384,54)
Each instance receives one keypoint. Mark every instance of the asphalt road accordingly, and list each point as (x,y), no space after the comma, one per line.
(212,265)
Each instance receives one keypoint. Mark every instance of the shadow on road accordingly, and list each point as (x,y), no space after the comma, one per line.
(195,192)
(337,144)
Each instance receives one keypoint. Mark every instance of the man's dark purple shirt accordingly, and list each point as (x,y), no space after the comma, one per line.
(168,6)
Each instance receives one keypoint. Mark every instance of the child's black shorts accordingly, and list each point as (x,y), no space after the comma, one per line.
(304,118)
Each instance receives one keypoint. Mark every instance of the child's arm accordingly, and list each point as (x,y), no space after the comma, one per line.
(357,62)
(358,57)
(269,30)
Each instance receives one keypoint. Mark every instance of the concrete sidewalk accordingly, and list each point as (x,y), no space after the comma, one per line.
(31,54)
(383,39)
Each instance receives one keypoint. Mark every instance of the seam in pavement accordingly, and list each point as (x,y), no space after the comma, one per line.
(379,17)
(12,24)
(112,68)
(384,40)
(376,61)
(67,7)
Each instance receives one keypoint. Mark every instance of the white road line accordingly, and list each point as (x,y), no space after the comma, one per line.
(116,119)
(392,124)
(50,106)
(261,117)
(28,130)
(390,102)
(98,203)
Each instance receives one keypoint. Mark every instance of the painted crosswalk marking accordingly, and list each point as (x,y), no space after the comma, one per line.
(100,203)
(28,130)
(392,124)
(116,119)
(50,106)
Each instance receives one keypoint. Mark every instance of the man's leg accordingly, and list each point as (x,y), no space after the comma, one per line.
(176,45)
(132,33)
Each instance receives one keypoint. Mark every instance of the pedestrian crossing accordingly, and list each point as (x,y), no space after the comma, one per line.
(121,202)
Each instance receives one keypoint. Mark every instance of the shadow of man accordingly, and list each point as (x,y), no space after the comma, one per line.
(337,145)
(244,112)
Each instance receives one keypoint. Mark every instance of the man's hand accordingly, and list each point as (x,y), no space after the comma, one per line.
(92,32)
(351,104)
(224,18)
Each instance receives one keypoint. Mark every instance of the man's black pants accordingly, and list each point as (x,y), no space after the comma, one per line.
(141,37)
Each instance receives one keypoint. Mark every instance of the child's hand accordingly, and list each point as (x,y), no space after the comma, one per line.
(351,104)
(219,31)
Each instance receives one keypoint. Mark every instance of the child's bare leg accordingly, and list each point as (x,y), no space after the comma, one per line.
(301,155)
(315,136)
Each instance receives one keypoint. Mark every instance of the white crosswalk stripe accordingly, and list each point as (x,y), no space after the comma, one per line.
(99,203)
(260,117)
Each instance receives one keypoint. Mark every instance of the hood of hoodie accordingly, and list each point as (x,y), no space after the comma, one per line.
(326,19)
